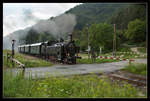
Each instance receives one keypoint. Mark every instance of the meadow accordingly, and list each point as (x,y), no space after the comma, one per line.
(79,86)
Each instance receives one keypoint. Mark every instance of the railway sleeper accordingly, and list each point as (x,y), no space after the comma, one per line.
(139,77)
(134,81)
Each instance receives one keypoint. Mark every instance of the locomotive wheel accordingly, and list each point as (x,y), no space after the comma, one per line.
(73,61)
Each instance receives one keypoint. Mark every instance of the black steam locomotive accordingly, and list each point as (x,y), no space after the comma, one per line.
(64,52)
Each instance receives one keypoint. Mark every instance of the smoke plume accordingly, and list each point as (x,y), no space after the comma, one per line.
(58,26)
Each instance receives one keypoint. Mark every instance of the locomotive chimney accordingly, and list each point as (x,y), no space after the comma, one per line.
(70,37)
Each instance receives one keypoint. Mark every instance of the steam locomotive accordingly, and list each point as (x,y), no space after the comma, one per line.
(64,52)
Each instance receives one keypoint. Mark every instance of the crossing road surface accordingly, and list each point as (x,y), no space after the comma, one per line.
(59,70)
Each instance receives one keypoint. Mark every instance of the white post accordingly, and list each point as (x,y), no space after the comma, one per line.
(100,50)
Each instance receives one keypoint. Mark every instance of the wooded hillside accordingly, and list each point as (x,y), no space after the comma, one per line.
(130,20)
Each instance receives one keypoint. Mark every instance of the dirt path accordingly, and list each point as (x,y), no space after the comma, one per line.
(30,57)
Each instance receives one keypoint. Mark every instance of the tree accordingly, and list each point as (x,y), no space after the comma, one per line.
(83,39)
(101,35)
(124,15)
(136,31)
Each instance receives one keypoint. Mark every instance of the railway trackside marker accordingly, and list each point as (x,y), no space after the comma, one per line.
(19,63)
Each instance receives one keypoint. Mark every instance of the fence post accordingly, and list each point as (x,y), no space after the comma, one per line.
(7,58)
(23,71)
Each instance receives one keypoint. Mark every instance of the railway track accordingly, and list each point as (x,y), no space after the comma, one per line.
(135,80)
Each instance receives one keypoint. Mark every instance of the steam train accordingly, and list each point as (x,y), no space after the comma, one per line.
(64,52)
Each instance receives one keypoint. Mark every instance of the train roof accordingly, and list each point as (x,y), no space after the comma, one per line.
(24,45)
(35,44)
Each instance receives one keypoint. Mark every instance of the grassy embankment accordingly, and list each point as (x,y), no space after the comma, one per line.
(28,61)
(138,68)
(74,86)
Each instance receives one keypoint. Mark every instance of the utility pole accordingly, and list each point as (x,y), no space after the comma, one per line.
(88,41)
(114,41)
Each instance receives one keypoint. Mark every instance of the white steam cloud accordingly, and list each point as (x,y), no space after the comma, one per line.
(59,26)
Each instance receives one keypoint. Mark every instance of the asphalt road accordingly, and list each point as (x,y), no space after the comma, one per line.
(59,70)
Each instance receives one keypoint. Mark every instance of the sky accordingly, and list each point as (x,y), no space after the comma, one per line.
(21,15)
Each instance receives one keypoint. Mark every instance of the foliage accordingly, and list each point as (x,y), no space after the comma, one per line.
(138,68)
(119,14)
(136,31)
(101,35)
(129,13)
(83,39)
(75,86)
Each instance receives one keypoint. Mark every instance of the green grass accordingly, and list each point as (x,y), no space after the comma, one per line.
(89,61)
(124,49)
(32,63)
(142,49)
(138,68)
(83,55)
(70,87)
(28,62)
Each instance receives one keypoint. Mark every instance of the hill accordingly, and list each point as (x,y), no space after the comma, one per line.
(95,12)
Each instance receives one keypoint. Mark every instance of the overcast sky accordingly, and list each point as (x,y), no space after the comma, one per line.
(21,15)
